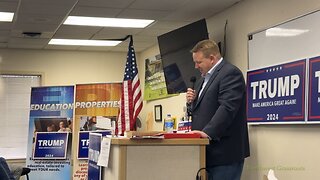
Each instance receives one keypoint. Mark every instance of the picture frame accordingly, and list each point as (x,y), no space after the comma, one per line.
(158,113)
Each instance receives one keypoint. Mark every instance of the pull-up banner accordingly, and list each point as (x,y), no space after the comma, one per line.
(277,93)
(49,138)
(96,106)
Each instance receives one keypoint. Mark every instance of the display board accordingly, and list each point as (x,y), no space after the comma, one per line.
(295,39)
(279,46)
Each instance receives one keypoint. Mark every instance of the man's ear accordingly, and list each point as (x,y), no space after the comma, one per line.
(213,58)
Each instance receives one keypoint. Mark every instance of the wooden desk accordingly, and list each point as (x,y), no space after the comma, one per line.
(155,159)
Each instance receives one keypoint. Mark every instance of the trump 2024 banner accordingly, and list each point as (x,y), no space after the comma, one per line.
(50,145)
(50,123)
(314,89)
(277,93)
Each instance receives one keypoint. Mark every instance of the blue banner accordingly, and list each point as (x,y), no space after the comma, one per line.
(277,93)
(314,89)
(51,145)
(51,111)
(94,171)
(83,144)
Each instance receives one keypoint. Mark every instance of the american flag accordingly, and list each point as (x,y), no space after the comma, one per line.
(131,99)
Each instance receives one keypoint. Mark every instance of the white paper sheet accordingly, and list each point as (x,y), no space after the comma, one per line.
(104,152)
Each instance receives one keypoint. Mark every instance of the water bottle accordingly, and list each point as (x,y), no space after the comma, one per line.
(168,123)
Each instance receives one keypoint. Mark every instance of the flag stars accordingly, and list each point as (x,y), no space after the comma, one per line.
(274,69)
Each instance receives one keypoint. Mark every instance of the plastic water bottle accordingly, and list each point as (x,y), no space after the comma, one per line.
(168,123)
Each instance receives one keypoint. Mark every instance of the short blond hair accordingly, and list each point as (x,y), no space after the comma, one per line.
(207,47)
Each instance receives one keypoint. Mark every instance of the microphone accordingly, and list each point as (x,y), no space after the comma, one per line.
(193,79)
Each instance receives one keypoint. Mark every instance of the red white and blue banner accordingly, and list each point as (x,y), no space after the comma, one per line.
(277,93)
(51,118)
(314,89)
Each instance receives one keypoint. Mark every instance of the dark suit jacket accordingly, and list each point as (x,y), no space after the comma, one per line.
(220,112)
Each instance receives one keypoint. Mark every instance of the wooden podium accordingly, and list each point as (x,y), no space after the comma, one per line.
(155,159)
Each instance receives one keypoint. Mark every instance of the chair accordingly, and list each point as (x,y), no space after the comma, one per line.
(17,171)
(25,172)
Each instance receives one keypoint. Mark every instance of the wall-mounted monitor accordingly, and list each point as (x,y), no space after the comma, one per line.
(177,60)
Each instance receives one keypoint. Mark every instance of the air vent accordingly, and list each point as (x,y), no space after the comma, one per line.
(32,34)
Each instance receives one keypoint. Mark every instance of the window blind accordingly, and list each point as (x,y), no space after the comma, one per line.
(15,91)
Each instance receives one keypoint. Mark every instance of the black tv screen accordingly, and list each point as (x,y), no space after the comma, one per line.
(176,58)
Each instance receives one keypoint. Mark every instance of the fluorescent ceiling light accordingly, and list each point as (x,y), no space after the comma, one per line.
(81,42)
(107,22)
(285,32)
(6,16)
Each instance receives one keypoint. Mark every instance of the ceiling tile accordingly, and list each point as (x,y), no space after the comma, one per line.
(19,34)
(41,8)
(47,16)
(95,11)
(153,32)
(116,33)
(169,24)
(169,5)
(90,48)
(8,6)
(57,47)
(3,45)
(24,46)
(196,11)
(4,39)
(5,25)
(35,27)
(29,41)
(4,32)
(143,14)
(76,32)
(105,3)
(144,38)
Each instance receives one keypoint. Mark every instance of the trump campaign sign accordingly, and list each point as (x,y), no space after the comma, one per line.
(51,145)
(314,89)
(277,93)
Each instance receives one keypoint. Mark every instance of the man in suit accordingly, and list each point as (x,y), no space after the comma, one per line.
(219,112)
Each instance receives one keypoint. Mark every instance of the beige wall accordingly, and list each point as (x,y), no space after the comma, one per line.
(65,67)
(292,150)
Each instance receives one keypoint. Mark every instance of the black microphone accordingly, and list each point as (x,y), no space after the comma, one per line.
(193,79)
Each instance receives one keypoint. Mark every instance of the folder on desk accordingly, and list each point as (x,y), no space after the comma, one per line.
(181,135)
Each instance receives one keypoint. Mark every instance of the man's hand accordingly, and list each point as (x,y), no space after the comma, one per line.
(191,95)
(203,134)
